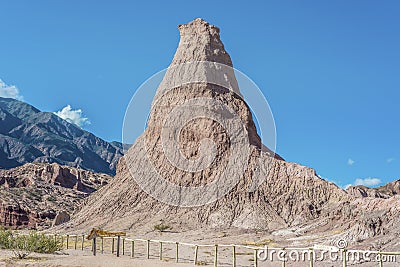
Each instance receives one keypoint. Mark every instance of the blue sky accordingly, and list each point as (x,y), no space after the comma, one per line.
(329,69)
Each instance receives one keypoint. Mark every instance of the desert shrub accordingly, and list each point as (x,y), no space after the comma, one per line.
(23,245)
(43,243)
(51,198)
(5,237)
(162,227)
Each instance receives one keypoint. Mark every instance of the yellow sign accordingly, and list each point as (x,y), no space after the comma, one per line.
(101,233)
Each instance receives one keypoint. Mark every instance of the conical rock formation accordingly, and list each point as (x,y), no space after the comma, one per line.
(269,193)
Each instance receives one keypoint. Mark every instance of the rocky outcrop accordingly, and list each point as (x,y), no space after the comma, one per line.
(390,189)
(14,215)
(31,195)
(363,191)
(61,217)
(269,193)
(386,191)
(63,176)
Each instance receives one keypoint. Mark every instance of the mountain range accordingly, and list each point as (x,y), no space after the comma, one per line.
(272,199)
(30,135)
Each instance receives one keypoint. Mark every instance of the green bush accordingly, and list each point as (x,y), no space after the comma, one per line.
(5,237)
(43,244)
(51,198)
(162,227)
(23,245)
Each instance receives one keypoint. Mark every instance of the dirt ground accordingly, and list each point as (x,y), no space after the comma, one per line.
(78,258)
(85,258)
(205,254)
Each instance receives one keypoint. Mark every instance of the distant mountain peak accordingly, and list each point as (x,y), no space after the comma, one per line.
(29,135)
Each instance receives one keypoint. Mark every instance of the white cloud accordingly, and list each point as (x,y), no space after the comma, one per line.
(347,186)
(9,91)
(390,160)
(368,181)
(350,162)
(73,116)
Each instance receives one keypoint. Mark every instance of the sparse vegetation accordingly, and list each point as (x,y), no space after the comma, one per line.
(35,194)
(244,253)
(223,234)
(359,239)
(162,227)
(51,198)
(5,237)
(259,243)
(23,245)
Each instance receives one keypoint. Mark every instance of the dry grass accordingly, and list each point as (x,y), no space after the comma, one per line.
(265,242)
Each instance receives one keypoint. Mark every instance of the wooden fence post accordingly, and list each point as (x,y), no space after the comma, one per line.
(311,257)
(283,262)
(133,248)
(76,242)
(67,241)
(380,259)
(83,241)
(62,241)
(118,244)
(255,258)
(94,246)
(233,256)
(177,252)
(123,246)
(344,256)
(113,246)
(160,250)
(196,252)
(148,249)
(102,245)
(216,256)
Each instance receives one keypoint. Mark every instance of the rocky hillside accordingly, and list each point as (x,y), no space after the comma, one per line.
(386,191)
(29,135)
(32,195)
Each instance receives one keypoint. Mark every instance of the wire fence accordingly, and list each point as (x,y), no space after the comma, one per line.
(200,254)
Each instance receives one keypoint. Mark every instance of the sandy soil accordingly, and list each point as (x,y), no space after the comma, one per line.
(80,258)
(205,256)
